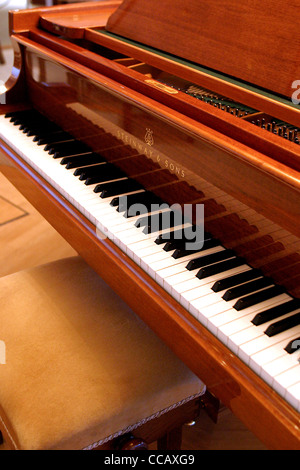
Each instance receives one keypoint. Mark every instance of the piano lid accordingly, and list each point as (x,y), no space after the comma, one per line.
(254,41)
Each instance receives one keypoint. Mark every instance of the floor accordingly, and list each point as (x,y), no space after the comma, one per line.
(27,240)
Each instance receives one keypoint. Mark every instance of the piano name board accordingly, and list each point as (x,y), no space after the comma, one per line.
(146,148)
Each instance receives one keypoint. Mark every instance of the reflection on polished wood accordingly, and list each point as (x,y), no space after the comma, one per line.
(76,85)
(209,37)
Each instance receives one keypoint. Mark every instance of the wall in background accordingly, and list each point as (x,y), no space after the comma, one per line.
(5,6)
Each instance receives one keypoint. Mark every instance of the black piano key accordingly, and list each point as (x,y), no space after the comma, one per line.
(102,178)
(14,114)
(115,188)
(20,117)
(53,137)
(12,118)
(209,259)
(33,131)
(32,123)
(148,220)
(93,170)
(140,202)
(32,119)
(258,297)
(84,159)
(197,248)
(276,312)
(168,237)
(38,134)
(159,224)
(247,288)
(99,173)
(16,121)
(180,239)
(283,325)
(123,202)
(236,279)
(218,268)
(44,134)
(36,128)
(26,113)
(65,149)
(145,221)
(164,238)
(160,221)
(293,346)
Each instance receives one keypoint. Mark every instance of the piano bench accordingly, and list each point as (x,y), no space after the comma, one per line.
(79,370)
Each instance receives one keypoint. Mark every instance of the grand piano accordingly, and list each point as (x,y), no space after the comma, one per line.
(173,107)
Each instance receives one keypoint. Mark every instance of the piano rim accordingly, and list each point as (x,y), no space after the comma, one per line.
(267,410)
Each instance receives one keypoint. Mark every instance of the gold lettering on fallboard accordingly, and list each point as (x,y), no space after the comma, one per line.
(147,150)
(149,137)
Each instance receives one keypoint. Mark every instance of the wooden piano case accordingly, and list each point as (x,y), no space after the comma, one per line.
(73,84)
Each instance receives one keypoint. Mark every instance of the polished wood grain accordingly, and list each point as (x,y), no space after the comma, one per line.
(193,145)
(267,185)
(188,143)
(238,129)
(229,379)
(26,19)
(58,21)
(198,75)
(240,39)
(73,25)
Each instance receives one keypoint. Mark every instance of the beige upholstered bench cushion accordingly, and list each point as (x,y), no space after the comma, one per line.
(80,365)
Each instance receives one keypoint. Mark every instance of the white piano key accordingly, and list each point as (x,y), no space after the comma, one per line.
(292,395)
(247,352)
(242,341)
(169,261)
(263,349)
(232,321)
(282,364)
(285,380)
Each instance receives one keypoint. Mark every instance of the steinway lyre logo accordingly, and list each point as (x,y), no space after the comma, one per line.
(149,137)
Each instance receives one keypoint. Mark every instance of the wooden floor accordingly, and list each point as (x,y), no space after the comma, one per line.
(27,240)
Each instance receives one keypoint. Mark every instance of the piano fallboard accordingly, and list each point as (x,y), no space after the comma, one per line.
(226,376)
(192,145)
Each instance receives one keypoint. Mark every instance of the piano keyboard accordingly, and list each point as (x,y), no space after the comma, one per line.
(255,318)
